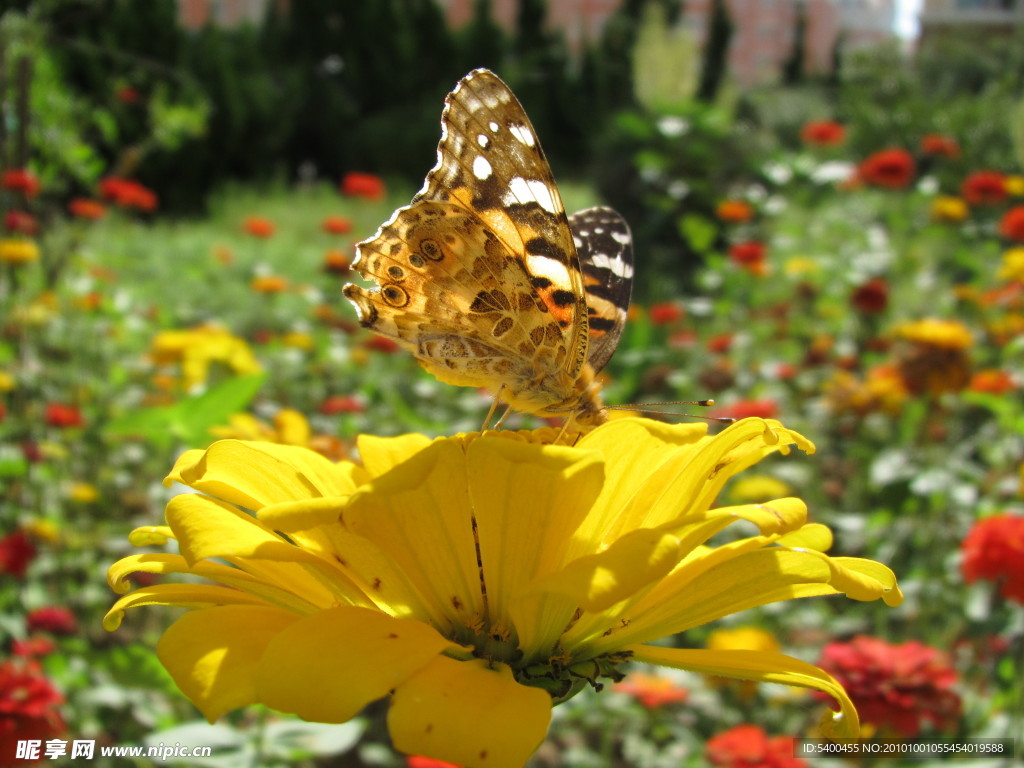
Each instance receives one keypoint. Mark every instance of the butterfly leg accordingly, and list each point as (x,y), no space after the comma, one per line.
(494,408)
(504,416)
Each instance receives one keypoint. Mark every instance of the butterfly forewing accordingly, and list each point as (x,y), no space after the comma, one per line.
(491,162)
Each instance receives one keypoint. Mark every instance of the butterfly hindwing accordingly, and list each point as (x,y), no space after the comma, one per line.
(605,249)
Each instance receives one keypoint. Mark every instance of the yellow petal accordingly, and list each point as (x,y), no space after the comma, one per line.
(468,713)
(761,666)
(207,528)
(213,654)
(381,454)
(720,582)
(292,427)
(528,501)
(326,667)
(256,474)
(183,595)
(419,516)
(865,580)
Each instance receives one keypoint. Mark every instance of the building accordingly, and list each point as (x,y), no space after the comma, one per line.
(970,19)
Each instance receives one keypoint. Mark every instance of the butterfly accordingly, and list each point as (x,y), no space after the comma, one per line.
(486,280)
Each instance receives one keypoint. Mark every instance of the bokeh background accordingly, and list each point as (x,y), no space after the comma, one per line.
(827,200)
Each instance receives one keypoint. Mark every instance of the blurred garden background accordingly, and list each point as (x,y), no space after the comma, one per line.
(829,230)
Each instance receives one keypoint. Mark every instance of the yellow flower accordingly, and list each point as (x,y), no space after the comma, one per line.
(743,639)
(1012,267)
(289,428)
(476,580)
(196,349)
(83,493)
(7,382)
(799,266)
(298,339)
(946,334)
(15,251)
(43,530)
(1014,185)
(934,360)
(755,487)
(949,209)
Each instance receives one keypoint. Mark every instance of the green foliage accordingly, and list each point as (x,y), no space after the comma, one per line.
(716,50)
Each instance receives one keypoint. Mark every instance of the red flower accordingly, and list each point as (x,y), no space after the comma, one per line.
(720,343)
(742,409)
(984,188)
(382,344)
(84,208)
(1012,225)
(63,415)
(750,252)
(33,647)
(52,619)
(872,297)
(364,185)
(938,145)
(20,180)
(17,550)
(3,411)
(747,746)
(127,95)
(341,404)
(259,227)
(21,223)
(416,761)
(28,707)
(127,193)
(895,687)
(994,551)
(823,133)
(336,225)
(652,691)
(665,313)
(890,168)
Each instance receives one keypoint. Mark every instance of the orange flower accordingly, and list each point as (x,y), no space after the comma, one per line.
(336,225)
(984,188)
(746,746)
(337,263)
(742,409)
(341,404)
(734,211)
(259,227)
(62,415)
(84,208)
(992,380)
(20,180)
(381,344)
(652,691)
(889,168)
(364,185)
(934,358)
(937,145)
(823,133)
(269,284)
(1012,225)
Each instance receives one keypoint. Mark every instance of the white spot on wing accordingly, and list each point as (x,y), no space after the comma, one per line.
(542,266)
(481,168)
(482,140)
(621,237)
(524,134)
(522,190)
(493,126)
(613,264)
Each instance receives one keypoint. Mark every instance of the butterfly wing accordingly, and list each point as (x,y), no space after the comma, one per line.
(490,162)
(605,248)
(478,277)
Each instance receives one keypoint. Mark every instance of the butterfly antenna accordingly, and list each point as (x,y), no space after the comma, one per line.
(644,408)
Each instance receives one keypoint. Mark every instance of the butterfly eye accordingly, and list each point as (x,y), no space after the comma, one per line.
(396,273)
(416,260)
(431,250)
(395,295)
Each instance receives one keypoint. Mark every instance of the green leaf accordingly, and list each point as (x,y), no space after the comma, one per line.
(698,231)
(189,420)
